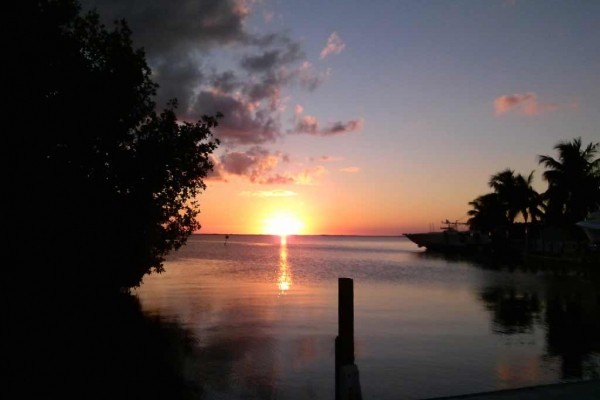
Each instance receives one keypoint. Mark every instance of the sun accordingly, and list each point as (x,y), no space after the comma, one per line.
(283,224)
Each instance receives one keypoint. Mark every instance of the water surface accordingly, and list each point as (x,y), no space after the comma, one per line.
(263,314)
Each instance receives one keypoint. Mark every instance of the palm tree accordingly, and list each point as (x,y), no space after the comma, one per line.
(527,200)
(516,194)
(573,182)
(488,214)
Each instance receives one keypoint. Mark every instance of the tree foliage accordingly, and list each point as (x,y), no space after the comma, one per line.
(573,182)
(109,186)
(487,214)
(516,194)
(512,196)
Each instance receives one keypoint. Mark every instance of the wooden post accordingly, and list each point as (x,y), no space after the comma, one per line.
(347,384)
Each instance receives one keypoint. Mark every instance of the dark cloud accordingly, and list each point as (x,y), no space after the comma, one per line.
(268,88)
(241,123)
(255,164)
(161,26)
(184,41)
(307,124)
(343,127)
(225,82)
(177,36)
(178,77)
(272,59)
(258,165)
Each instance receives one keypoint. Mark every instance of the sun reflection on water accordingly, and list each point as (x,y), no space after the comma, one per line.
(284,281)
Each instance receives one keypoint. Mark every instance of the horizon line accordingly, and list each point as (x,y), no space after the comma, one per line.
(296,234)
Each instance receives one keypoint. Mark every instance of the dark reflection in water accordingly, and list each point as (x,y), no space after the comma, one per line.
(567,308)
(573,332)
(512,312)
(571,320)
(100,348)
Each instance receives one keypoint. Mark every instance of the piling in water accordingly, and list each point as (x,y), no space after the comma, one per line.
(347,384)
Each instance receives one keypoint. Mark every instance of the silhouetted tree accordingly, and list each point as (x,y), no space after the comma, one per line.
(513,196)
(573,182)
(487,214)
(103,187)
(516,195)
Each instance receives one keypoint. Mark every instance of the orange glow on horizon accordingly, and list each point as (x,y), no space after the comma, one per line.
(328,210)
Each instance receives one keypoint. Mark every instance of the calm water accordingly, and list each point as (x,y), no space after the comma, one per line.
(263,314)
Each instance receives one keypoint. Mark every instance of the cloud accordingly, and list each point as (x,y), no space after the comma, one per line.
(257,165)
(269,193)
(310,175)
(277,179)
(184,40)
(244,121)
(253,163)
(308,124)
(162,26)
(309,79)
(217,174)
(334,45)
(274,58)
(205,54)
(350,170)
(343,127)
(325,158)
(522,103)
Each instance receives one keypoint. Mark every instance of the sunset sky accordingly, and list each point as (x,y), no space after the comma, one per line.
(372,117)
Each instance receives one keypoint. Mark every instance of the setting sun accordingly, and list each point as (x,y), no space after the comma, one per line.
(283,224)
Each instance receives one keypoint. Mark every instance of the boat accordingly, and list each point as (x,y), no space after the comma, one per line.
(591,227)
(451,239)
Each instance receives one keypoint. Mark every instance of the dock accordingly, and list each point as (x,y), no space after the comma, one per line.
(585,390)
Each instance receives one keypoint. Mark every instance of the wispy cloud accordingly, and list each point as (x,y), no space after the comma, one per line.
(310,125)
(326,158)
(340,127)
(310,175)
(350,170)
(522,103)
(334,45)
